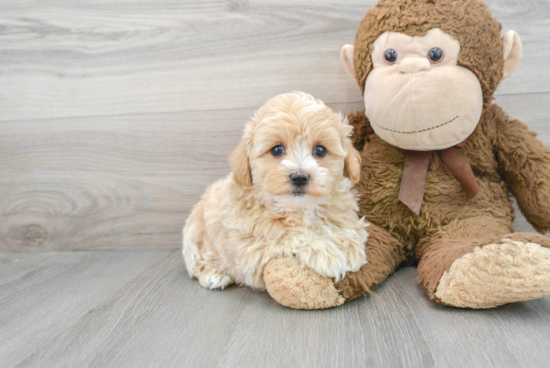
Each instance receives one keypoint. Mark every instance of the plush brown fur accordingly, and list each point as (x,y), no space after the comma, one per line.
(384,254)
(467,248)
(506,159)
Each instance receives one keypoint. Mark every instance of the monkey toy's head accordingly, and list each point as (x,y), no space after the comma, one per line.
(427,67)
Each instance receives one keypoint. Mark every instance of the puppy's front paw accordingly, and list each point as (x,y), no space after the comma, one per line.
(356,261)
(356,256)
(214,281)
(329,265)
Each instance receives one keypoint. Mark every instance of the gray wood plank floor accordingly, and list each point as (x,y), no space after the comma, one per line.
(42,294)
(140,309)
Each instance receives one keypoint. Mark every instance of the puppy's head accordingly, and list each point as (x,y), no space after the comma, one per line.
(295,150)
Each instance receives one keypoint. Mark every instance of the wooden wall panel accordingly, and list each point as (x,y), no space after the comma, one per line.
(66,58)
(116,115)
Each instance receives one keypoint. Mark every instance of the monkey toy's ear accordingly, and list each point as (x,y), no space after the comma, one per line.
(512,49)
(346,55)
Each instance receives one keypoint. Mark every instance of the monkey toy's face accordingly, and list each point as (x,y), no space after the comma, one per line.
(416,96)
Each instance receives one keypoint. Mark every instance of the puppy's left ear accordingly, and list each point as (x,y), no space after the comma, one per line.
(240,165)
(352,164)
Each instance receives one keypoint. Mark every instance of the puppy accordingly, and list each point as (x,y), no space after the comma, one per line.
(288,195)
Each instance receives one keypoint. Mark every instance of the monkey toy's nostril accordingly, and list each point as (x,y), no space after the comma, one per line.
(299,179)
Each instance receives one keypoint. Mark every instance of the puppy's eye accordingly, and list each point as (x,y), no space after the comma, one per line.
(320,151)
(435,55)
(390,56)
(278,150)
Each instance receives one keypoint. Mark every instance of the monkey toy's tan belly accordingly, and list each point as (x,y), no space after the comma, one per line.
(444,199)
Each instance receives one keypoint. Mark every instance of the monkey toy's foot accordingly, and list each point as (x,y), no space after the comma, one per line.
(504,272)
(297,287)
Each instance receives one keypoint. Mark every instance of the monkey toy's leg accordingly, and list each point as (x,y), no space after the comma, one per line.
(296,287)
(479,263)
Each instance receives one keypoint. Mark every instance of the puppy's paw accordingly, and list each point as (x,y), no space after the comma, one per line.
(356,257)
(327,265)
(214,281)
(355,262)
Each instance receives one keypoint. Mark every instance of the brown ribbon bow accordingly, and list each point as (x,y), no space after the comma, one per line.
(413,182)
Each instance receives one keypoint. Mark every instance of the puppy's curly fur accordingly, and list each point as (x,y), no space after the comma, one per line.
(256,213)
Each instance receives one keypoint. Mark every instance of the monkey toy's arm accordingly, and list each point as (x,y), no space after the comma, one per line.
(524,162)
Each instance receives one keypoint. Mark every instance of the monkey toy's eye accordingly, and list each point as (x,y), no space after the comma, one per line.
(320,151)
(278,150)
(435,55)
(390,56)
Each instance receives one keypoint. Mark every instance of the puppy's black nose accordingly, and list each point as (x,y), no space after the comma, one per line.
(299,179)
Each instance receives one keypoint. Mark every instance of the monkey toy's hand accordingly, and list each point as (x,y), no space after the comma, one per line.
(295,286)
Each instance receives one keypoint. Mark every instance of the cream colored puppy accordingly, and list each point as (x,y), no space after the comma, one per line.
(288,195)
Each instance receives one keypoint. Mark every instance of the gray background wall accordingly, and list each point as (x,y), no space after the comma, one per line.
(115,115)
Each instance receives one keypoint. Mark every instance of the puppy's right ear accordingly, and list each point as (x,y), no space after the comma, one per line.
(240,165)
(352,164)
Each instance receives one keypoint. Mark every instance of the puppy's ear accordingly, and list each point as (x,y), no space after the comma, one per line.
(240,165)
(352,164)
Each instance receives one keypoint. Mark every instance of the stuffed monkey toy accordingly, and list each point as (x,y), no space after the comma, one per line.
(439,163)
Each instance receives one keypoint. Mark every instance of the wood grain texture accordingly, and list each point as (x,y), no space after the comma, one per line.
(131,181)
(64,58)
(41,294)
(508,336)
(116,115)
(109,182)
(162,318)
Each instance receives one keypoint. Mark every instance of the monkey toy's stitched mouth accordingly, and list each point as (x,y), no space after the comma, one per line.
(416,131)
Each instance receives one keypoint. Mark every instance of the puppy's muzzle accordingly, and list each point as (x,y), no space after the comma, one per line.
(299,180)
